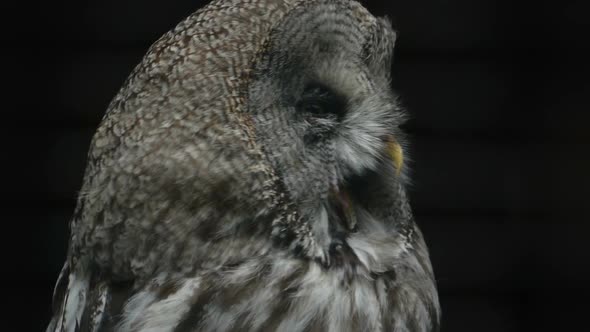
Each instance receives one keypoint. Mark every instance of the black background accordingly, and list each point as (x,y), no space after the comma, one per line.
(497,91)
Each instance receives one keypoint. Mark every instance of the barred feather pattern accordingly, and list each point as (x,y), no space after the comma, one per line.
(241,181)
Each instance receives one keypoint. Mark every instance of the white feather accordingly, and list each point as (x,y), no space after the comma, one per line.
(74,302)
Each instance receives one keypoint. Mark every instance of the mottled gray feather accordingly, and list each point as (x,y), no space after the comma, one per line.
(241,180)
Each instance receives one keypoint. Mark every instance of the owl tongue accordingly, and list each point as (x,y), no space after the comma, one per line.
(344,208)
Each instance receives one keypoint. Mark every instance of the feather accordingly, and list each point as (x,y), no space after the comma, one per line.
(69,310)
(221,196)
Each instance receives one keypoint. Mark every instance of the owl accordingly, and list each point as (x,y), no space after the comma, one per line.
(249,176)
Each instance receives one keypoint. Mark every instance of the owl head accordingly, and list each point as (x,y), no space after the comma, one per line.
(251,117)
(322,106)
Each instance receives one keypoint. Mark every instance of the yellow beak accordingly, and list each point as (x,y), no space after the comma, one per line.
(396,154)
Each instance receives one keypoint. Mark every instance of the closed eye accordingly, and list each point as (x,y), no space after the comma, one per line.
(321,101)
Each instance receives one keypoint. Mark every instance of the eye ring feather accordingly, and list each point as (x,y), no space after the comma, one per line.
(319,100)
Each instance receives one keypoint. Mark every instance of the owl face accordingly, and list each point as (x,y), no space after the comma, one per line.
(321,101)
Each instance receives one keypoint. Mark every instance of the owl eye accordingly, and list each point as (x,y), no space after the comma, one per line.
(321,101)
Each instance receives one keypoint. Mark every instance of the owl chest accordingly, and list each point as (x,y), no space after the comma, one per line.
(281,296)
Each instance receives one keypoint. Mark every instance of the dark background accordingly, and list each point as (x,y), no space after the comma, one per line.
(497,91)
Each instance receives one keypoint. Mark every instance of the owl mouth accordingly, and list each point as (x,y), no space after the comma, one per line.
(343,196)
(344,207)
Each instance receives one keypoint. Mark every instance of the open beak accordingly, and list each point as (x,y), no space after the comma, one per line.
(396,154)
(344,208)
(342,197)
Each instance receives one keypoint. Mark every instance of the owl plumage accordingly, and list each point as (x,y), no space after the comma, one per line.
(248,177)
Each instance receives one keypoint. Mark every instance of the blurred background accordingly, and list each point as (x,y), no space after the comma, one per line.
(498,94)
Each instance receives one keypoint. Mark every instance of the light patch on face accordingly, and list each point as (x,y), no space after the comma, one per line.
(346,77)
(360,143)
